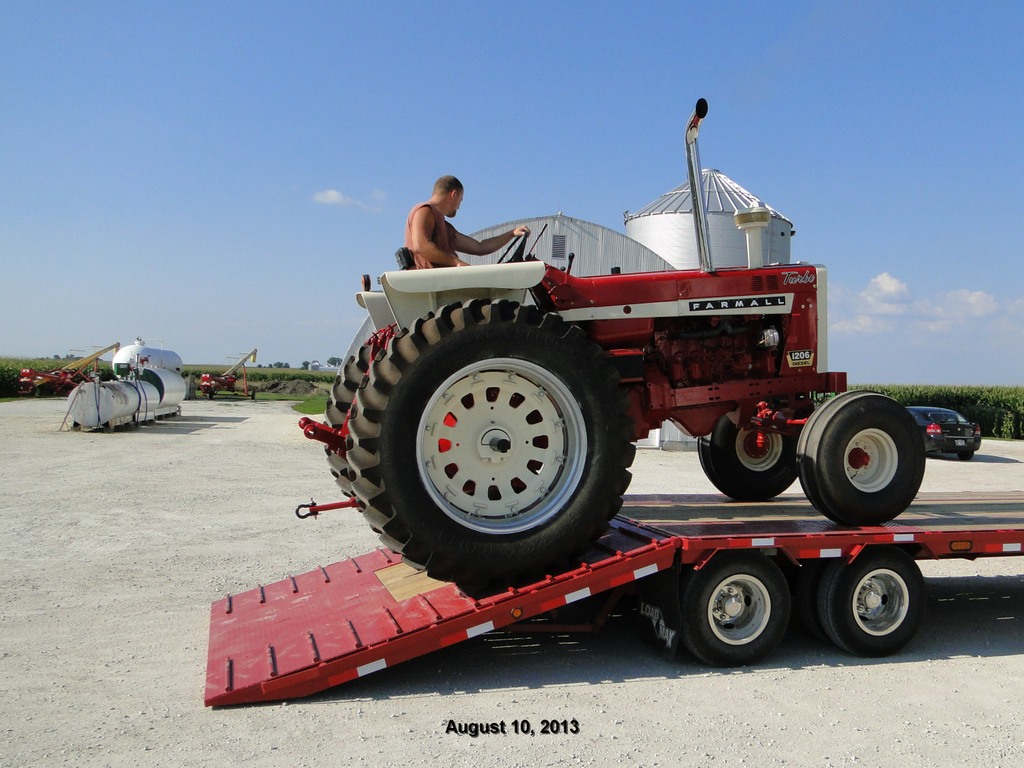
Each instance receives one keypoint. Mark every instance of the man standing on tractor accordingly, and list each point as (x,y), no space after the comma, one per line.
(434,242)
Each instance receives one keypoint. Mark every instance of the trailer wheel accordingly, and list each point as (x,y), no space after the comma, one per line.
(350,376)
(860,459)
(747,465)
(490,441)
(874,605)
(965,455)
(735,609)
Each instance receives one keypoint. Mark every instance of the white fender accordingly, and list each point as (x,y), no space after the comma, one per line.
(411,294)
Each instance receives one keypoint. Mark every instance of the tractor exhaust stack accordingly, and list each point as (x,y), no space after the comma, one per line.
(700,217)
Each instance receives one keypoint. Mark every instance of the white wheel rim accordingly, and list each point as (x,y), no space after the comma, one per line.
(871,460)
(502,445)
(739,609)
(881,602)
(760,459)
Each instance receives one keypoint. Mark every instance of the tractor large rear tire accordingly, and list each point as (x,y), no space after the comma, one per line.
(490,442)
(350,376)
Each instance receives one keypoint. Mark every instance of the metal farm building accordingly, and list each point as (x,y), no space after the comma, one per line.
(598,250)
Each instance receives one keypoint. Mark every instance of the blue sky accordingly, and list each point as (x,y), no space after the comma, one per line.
(216,176)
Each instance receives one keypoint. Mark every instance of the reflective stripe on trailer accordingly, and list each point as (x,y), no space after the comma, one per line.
(373,666)
(579,594)
(647,570)
(479,629)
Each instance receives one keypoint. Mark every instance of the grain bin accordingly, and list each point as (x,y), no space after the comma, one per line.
(666,225)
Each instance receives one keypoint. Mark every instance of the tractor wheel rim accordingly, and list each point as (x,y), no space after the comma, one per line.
(758,457)
(502,445)
(871,460)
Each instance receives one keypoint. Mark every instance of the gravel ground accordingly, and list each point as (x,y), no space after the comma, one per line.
(114,546)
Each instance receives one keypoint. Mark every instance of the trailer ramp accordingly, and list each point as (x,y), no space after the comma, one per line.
(342,621)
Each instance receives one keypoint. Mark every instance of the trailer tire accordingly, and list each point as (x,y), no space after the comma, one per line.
(350,376)
(735,609)
(743,469)
(874,605)
(860,458)
(490,442)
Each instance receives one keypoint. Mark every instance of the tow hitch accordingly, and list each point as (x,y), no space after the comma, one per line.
(315,509)
(333,438)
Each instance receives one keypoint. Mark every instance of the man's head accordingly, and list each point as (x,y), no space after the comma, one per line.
(448,194)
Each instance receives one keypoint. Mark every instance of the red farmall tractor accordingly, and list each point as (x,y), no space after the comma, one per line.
(487,430)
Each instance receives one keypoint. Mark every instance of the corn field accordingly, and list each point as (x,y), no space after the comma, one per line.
(998,410)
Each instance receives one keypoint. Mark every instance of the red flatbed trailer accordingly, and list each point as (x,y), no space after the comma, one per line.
(706,573)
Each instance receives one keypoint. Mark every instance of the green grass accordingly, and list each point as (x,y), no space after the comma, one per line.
(314,405)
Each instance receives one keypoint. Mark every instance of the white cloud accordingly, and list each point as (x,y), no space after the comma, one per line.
(886,304)
(334,197)
(953,308)
(885,298)
(331,197)
(885,295)
(969,303)
(1008,326)
(888,332)
(862,324)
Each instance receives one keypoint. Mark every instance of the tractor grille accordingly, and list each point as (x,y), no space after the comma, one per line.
(759,283)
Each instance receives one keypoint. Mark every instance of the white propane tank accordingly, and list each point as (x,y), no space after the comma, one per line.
(170,386)
(141,356)
(109,403)
(157,392)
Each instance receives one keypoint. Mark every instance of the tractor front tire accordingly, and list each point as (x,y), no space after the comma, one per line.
(861,459)
(745,465)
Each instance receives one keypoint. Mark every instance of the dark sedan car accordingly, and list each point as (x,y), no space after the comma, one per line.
(946,431)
